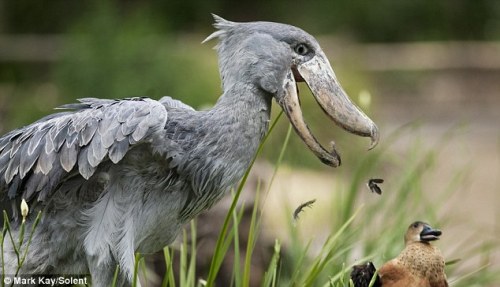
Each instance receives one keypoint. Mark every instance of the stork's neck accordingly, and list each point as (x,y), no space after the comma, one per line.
(229,137)
(243,111)
(244,94)
(240,119)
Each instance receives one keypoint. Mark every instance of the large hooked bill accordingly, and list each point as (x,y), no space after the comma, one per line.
(321,80)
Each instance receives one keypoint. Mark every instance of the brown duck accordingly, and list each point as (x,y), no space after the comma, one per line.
(420,264)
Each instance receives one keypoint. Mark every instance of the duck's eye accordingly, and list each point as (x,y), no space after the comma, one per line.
(301,49)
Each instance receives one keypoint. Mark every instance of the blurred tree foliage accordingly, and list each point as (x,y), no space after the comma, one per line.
(383,20)
(112,56)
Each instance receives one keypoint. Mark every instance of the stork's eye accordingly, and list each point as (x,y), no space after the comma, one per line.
(301,49)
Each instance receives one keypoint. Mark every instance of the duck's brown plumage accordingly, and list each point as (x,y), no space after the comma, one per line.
(420,264)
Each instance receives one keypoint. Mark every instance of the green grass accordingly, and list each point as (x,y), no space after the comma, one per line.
(372,230)
(19,244)
(363,226)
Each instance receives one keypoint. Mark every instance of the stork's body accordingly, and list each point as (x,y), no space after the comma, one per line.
(115,177)
(116,212)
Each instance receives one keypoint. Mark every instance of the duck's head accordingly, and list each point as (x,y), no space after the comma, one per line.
(420,231)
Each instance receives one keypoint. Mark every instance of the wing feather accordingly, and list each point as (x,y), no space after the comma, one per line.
(31,185)
(120,136)
(27,160)
(93,151)
(45,161)
(72,138)
(168,102)
(60,137)
(49,140)
(14,186)
(68,156)
(4,161)
(107,130)
(4,141)
(141,130)
(125,114)
(128,127)
(35,158)
(12,167)
(15,146)
(118,150)
(37,137)
(88,131)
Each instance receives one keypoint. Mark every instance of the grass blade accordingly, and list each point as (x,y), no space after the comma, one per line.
(320,262)
(216,259)
(271,275)
(169,279)
(115,276)
(136,269)
(252,236)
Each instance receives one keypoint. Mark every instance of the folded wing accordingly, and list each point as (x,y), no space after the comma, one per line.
(34,159)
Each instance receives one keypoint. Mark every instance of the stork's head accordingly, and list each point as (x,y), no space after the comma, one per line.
(272,57)
(420,231)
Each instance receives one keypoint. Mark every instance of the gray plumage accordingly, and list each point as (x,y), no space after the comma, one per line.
(115,177)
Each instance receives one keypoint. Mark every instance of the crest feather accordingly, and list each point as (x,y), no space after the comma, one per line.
(222,25)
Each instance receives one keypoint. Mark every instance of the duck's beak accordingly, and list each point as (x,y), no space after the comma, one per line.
(321,80)
(429,233)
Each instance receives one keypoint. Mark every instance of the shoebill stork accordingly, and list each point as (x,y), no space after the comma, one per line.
(115,177)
